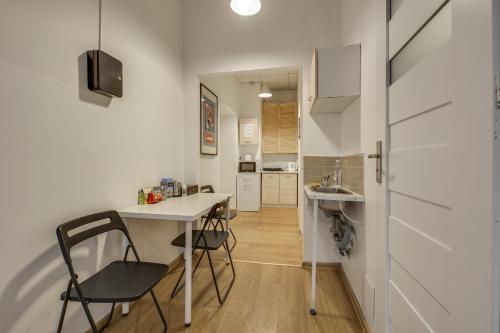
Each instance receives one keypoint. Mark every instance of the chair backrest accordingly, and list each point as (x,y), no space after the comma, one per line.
(216,212)
(67,241)
(207,189)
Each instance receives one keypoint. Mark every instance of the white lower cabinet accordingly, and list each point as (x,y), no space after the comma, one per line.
(279,189)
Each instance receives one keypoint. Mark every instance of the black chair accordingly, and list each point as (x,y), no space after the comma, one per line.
(232,214)
(120,281)
(208,240)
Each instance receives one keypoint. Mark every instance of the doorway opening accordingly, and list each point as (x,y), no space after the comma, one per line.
(259,161)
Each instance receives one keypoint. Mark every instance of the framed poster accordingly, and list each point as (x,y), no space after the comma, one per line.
(209,121)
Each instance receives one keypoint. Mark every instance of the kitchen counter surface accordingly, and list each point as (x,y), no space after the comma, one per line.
(332,196)
(292,172)
(277,172)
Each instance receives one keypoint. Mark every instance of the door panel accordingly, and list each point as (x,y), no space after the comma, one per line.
(424,87)
(411,16)
(420,187)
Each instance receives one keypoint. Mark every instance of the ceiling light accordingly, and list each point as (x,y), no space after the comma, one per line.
(246,7)
(265,92)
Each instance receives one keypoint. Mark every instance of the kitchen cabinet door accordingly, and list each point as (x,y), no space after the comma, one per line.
(288,189)
(288,133)
(270,188)
(270,128)
(249,133)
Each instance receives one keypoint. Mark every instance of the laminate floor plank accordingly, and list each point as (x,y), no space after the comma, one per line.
(265,298)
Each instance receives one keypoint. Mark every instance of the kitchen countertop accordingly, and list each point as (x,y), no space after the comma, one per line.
(332,196)
(287,172)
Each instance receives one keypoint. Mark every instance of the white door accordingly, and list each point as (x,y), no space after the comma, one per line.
(440,123)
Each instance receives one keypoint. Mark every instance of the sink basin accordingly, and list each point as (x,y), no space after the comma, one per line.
(334,190)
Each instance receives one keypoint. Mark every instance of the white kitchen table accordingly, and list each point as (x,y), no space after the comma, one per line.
(185,210)
(316,197)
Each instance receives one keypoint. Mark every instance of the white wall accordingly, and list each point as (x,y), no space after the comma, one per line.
(229,155)
(250,107)
(67,152)
(350,129)
(217,40)
(213,169)
(359,135)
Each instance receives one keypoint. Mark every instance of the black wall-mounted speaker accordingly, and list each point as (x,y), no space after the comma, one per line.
(105,75)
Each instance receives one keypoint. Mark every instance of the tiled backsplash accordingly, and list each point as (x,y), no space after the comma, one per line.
(315,167)
(353,173)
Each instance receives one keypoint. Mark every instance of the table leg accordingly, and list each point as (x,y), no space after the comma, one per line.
(314,257)
(188,274)
(125,306)
(227,229)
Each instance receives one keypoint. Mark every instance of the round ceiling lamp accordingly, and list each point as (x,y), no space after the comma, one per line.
(246,7)
(265,92)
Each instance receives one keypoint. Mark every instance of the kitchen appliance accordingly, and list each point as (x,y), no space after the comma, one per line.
(248,158)
(292,166)
(248,192)
(273,169)
(247,167)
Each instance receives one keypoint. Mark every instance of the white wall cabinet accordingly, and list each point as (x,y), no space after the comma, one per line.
(279,189)
(249,131)
(335,78)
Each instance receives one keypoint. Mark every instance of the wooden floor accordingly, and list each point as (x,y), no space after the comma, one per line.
(264,298)
(269,236)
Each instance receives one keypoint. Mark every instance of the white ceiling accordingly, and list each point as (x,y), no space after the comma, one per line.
(276,79)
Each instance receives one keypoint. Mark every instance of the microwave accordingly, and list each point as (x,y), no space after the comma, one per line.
(248,167)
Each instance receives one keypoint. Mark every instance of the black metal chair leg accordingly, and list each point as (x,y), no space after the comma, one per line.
(175,291)
(110,317)
(198,263)
(89,315)
(159,311)
(223,299)
(65,305)
(234,237)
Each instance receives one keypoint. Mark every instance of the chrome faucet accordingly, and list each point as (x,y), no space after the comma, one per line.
(326,180)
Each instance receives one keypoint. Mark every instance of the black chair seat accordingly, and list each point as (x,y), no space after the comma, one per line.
(120,281)
(214,239)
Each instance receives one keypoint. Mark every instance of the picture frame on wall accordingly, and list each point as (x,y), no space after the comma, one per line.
(209,121)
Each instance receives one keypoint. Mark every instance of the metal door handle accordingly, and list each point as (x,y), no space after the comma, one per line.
(378,156)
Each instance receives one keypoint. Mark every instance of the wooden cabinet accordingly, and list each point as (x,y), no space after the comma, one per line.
(270,188)
(249,131)
(288,140)
(288,189)
(279,128)
(279,189)
(335,78)
(270,128)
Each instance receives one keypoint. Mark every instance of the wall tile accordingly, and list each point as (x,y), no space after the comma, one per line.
(315,167)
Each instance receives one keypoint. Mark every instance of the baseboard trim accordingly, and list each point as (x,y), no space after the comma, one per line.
(322,265)
(354,301)
(118,308)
